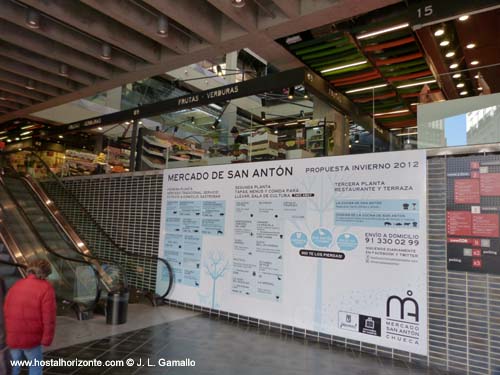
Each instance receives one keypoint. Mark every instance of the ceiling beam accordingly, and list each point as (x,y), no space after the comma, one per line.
(246,17)
(291,8)
(43,46)
(18,99)
(141,21)
(208,19)
(36,74)
(21,91)
(43,63)
(94,23)
(313,13)
(59,33)
(22,82)
(9,105)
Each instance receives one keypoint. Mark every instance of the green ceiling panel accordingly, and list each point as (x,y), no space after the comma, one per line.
(330,52)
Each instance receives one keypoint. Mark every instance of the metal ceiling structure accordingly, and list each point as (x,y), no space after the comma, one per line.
(53,52)
(381,64)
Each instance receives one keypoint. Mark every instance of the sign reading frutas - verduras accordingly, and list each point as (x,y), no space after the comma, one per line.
(335,244)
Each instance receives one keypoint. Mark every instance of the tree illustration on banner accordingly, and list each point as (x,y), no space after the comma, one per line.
(325,205)
(216,266)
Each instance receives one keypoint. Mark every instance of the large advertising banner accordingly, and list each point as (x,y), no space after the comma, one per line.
(334,245)
(473,213)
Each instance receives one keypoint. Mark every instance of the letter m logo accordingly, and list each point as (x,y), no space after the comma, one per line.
(400,305)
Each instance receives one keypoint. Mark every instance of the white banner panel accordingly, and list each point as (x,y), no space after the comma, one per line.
(335,244)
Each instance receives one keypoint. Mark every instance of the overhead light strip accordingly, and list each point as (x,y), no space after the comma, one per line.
(405,134)
(392,113)
(383,31)
(344,66)
(366,88)
(416,84)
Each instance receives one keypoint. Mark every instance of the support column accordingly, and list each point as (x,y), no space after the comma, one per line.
(133,145)
(228,119)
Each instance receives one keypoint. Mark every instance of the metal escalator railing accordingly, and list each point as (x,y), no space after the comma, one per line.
(136,264)
(113,276)
(74,280)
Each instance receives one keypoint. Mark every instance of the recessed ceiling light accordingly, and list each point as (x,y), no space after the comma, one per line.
(454,66)
(238,3)
(475,62)
(465,17)
(17,138)
(61,136)
(463,93)
(476,76)
(457,75)
(9,140)
(444,43)
(450,54)
(460,85)
(99,128)
(439,32)
(471,45)
(480,88)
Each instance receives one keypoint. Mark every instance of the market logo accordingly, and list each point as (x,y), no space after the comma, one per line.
(347,242)
(298,239)
(398,305)
(322,237)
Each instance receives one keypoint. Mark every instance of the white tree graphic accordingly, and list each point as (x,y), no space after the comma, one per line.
(215,267)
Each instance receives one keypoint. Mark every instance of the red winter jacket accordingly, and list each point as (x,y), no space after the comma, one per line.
(30,313)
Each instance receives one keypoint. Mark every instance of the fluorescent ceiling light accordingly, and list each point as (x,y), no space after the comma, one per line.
(464,93)
(405,134)
(416,84)
(460,85)
(292,123)
(471,45)
(272,123)
(2,138)
(392,113)
(344,66)
(457,75)
(293,39)
(414,103)
(444,43)
(450,54)
(465,17)
(26,133)
(383,31)
(475,62)
(439,32)
(366,88)
(454,66)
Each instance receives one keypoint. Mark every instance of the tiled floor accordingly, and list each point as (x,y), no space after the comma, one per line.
(224,348)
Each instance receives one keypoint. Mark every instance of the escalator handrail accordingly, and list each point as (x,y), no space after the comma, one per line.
(13,264)
(47,248)
(78,244)
(101,229)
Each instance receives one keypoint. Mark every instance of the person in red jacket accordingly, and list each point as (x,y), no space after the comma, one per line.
(30,316)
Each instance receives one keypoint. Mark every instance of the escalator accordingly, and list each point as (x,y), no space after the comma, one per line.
(28,232)
(42,202)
